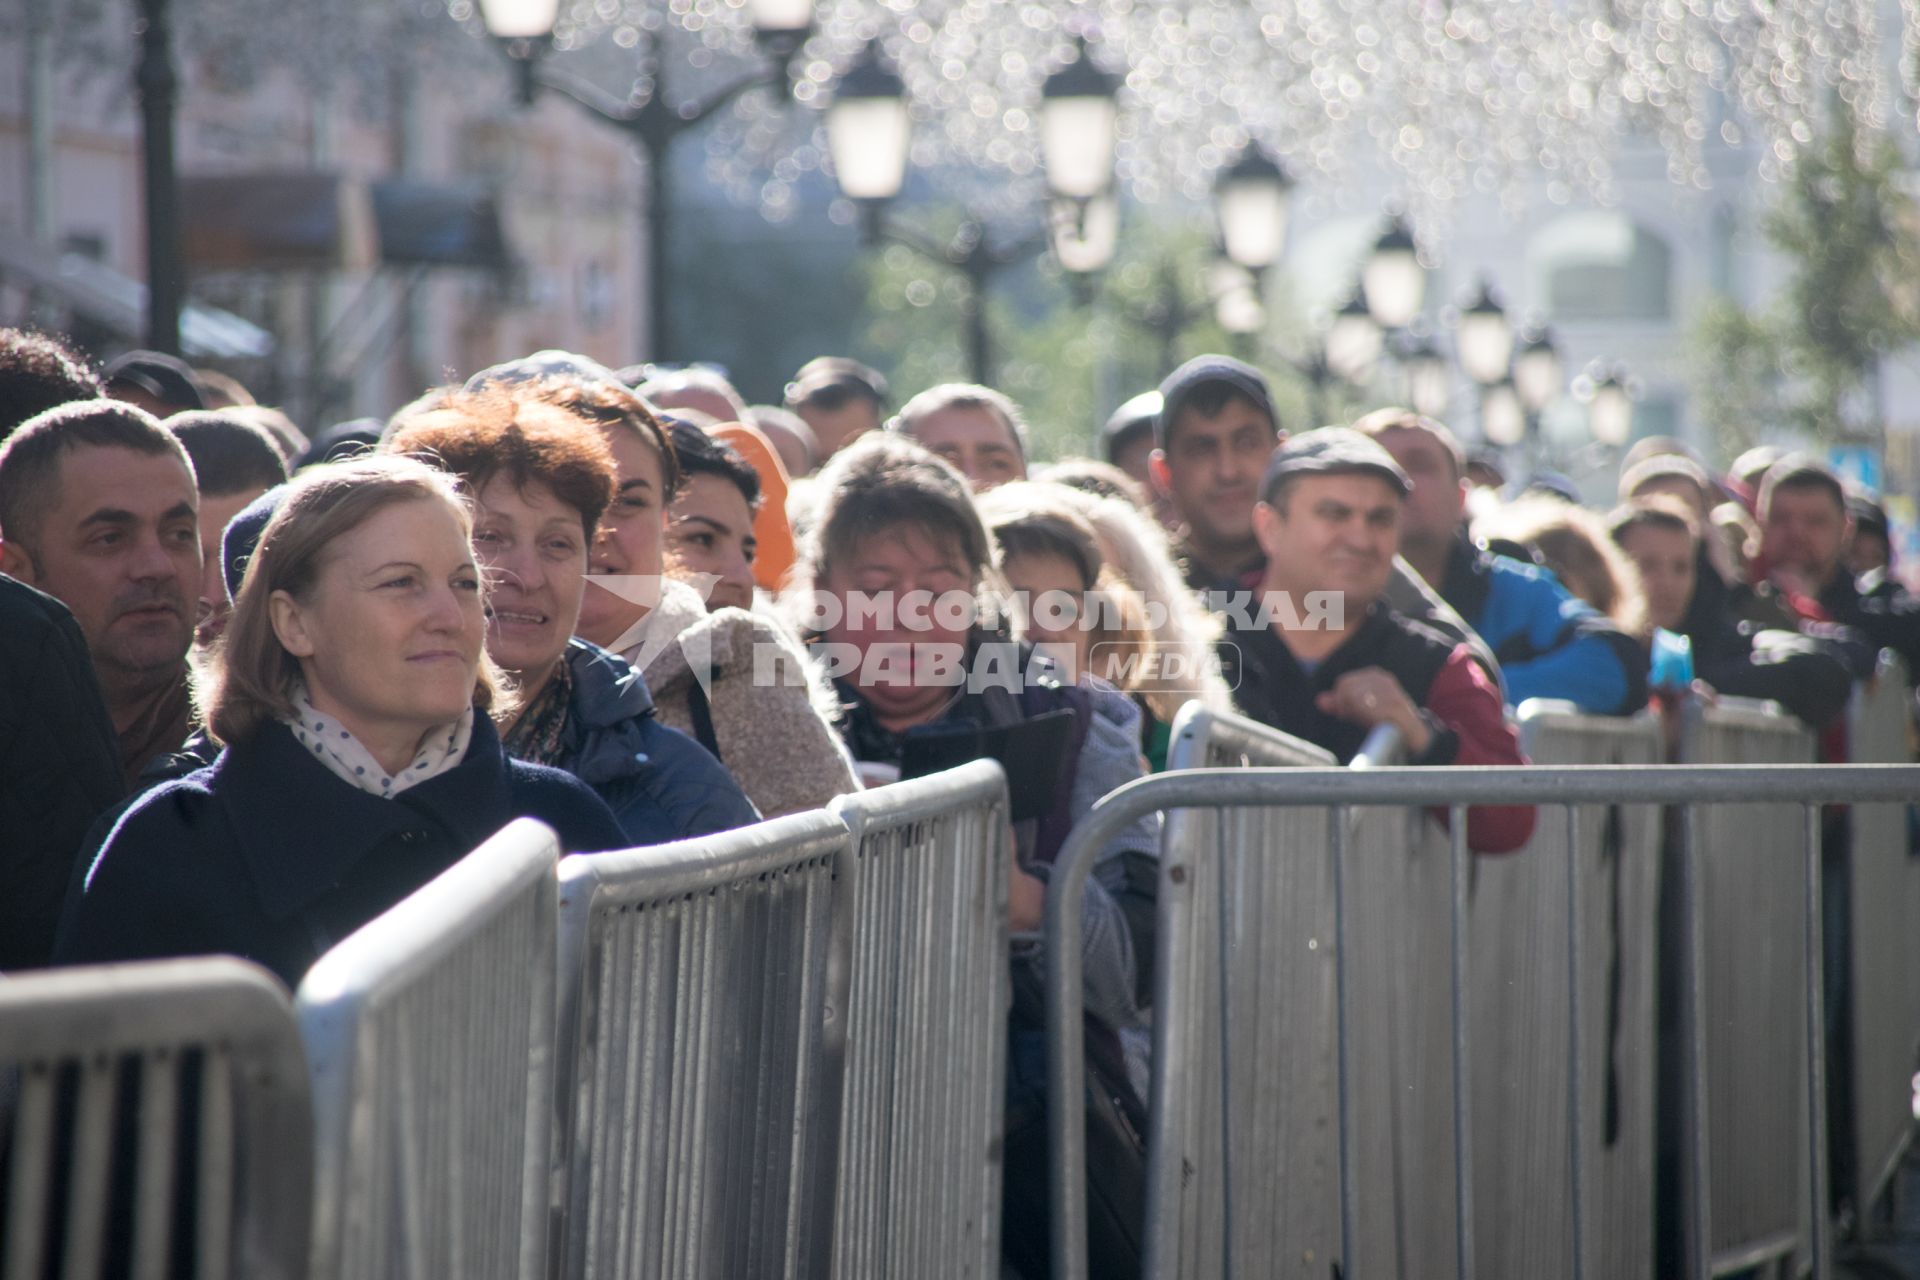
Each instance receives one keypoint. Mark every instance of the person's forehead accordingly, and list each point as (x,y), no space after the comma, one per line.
(532,500)
(1354,489)
(1412,442)
(974,424)
(705,490)
(634,458)
(1237,414)
(907,546)
(1803,500)
(412,529)
(1652,540)
(133,479)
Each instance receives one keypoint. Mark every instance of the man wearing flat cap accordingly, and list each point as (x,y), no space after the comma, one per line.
(1336,660)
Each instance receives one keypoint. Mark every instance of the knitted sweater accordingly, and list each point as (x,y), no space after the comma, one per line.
(767,712)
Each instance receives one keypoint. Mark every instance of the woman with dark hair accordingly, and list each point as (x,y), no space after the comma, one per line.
(541,479)
(890,577)
(356,705)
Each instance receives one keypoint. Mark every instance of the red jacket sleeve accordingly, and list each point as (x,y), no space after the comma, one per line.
(1463,699)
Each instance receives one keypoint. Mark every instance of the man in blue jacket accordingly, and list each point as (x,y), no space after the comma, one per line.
(1550,644)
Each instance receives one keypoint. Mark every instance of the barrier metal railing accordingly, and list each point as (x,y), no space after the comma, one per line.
(704,1008)
(1245,1045)
(1881,984)
(1562,947)
(919,1173)
(1285,1009)
(1698,792)
(429,1036)
(1747,974)
(204,1055)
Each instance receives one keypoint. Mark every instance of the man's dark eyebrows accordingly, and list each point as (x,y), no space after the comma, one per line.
(117,516)
(638,482)
(110,515)
(717,526)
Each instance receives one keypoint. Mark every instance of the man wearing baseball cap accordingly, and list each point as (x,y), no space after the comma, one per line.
(1336,660)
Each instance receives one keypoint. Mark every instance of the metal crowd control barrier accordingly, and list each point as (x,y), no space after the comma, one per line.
(1245,1048)
(1267,1167)
(429,1036)
(919,1179)
(1746,969)
(1274,916)
(704,1002)
(1563,1145)
(1882,1021)
(207,1054)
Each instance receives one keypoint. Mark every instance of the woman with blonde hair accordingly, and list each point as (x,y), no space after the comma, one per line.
(356,705)
(1185,637)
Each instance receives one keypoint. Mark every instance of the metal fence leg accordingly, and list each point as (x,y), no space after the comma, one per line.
(1817,1241)
(1343,1024)
(1576,1078)
(1693,1022)
(1462,859)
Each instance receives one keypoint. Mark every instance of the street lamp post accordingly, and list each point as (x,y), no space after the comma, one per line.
(1609,392)
(868,137)
(158,85)
(525,30)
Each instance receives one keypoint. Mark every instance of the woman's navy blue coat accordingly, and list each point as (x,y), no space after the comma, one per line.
(267,855)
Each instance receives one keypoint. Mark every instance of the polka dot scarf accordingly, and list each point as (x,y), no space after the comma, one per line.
(336,748)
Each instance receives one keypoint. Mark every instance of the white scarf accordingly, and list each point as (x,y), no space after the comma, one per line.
(350,761)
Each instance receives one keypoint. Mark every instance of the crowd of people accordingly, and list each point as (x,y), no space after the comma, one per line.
(257,686)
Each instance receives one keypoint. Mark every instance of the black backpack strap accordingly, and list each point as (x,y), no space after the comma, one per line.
(702,712)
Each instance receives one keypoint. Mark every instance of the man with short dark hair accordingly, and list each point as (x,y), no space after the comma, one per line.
(1212,439)
(1801,573)
(1215,434)
(1336,660)
(98,508)
(979,430)
(39,372)
(840,399)
(234,462)
(1550,643)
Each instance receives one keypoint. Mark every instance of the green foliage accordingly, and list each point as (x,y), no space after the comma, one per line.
(1807,362)
(1069,358)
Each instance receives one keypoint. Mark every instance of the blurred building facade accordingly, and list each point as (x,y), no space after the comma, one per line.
(388,241)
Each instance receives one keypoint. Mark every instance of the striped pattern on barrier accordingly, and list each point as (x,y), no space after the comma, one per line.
(705,997)
(1536,1212)
(1705,794)
(1221,1200)
(919,1180)
(205,1053)
(1249,1141)
(1883,969)
(1744,884)
(429,1035)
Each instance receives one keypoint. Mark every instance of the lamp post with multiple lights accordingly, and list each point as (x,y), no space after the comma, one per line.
(869,133)
(524,29)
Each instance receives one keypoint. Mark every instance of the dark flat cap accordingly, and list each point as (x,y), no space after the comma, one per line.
(1189,379)
(242,535)
(165,378)
(1332,451)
